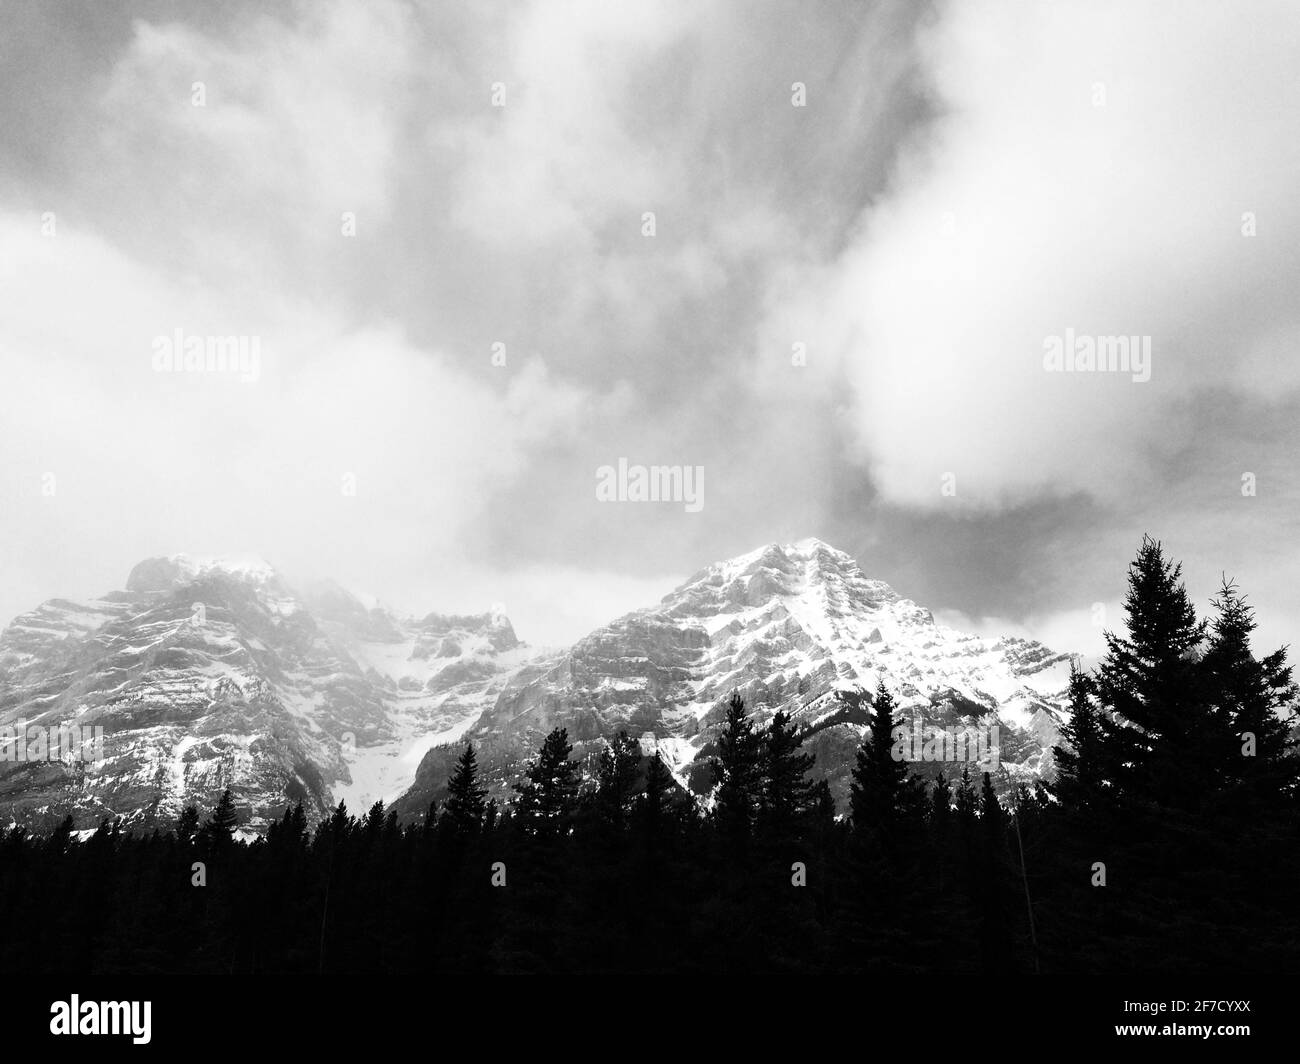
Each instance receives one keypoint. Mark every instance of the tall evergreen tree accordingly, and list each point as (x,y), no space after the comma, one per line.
(547,792)
(1159,742)
(658,783)
(340,822)
(965,801)
(996,946)
(738,768)
(939,817)
(220,826)
(187,825)
(465,806)
(786,793)
(1251,695)
(616,776)
(940,800)
(1079,757)
(880,798)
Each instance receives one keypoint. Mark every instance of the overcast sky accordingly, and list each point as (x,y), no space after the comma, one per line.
(962,183)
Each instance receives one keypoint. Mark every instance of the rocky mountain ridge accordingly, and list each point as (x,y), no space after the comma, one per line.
(206,673)
(788,626)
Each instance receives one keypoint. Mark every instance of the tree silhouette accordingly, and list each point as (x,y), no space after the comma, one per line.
(466,805)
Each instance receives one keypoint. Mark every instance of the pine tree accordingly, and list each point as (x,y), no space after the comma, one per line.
(996,946)
(1157,739)
(374,822)
(1078,757)
(1249,693)
(786,793)
(340,822)
(991,813)
(187,825)
(880,798)
(220,826)
(465,806)
(738,767)
(939,818)
(298,824)
(940,801)
(658,782)
(652,810)
(964,800)
(289,832)
(616,775)
(550,786)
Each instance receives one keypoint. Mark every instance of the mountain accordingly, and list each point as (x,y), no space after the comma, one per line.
(210,673)
(788,627)
(207,673)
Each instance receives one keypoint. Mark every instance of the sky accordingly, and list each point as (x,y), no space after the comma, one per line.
(819,251)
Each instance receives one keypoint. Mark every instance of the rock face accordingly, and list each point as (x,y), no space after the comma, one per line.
(212,673)
(788,627)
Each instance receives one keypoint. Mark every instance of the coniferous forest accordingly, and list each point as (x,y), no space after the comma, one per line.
(1168,840)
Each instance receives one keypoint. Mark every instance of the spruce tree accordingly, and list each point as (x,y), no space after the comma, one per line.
(298,824)
(882,848)
(220,826)
(880,798)
(939,825)
(738,767)
(996,945)
(374,822)
(187,825)
(1079,764)
(786,794)
(940,801)
(550,786)
(1249,694)
(465,806)
(340,822)
(1157,739)
(965,802)
(658,782)
(616,775)
(652,811)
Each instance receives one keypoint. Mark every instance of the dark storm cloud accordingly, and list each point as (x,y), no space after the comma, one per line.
(950,195)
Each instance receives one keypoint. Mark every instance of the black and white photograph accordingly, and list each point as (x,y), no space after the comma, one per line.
(721,491)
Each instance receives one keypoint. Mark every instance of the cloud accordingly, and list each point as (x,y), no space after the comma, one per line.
(1090,171)
(298,123)
(557,160)
(949,197)
(1076,631)
(348,437)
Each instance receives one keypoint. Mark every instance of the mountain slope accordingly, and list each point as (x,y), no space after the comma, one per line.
(214,673)
(208,673)
(788,627)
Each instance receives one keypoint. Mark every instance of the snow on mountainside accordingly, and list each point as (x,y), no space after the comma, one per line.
(211,672)
(787,626)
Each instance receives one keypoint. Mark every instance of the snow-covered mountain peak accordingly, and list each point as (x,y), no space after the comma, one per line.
(212,672)
(176,570)
(790,627)
(822,587)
